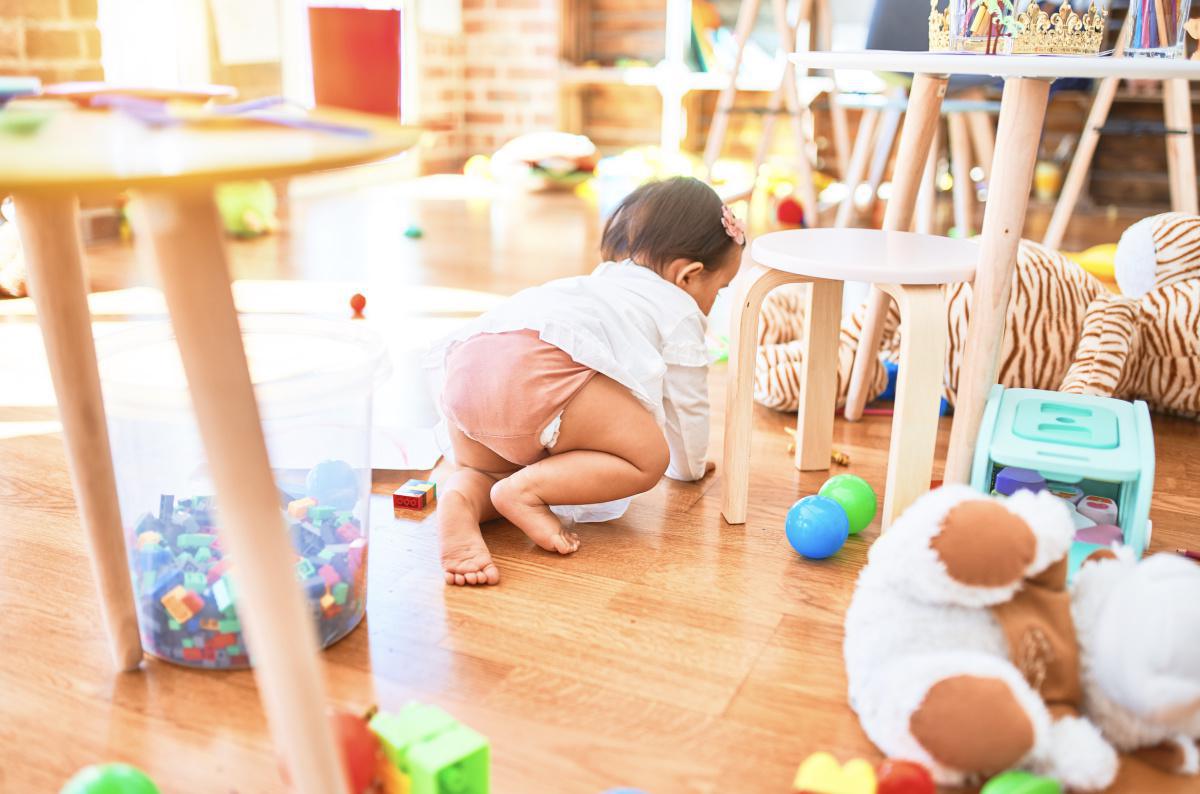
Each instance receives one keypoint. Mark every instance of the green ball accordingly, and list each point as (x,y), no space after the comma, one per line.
(1020,782)
(110,779)
(855,496)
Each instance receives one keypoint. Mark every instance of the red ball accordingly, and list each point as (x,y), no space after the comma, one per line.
(790,212)
(358,302)
(904,777)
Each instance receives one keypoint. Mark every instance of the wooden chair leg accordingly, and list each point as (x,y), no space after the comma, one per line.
(924,110)
(1181,152)
(747,15)
(864,139)
(49,228)
(918,393)
(983,133)
(925,220)
(960,167)
(1021,115)
(818,384)
(754,284)
(182,231)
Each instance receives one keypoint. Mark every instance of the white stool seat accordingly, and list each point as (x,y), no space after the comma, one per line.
(870,255)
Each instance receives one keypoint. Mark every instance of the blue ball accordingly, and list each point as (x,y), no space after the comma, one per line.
(333,483)
(817,527)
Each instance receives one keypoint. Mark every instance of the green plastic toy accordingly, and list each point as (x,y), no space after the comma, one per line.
(110,779)
(855,496)
(437,753)
(1020,782)
(247,208)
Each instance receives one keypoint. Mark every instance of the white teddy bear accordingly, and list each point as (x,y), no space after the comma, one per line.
(965,650)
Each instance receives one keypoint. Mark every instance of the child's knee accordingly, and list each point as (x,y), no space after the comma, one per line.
(653,460)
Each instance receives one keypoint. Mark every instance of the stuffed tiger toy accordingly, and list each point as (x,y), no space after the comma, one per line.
(1065,331)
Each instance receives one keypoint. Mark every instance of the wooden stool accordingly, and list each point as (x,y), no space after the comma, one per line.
(912,269)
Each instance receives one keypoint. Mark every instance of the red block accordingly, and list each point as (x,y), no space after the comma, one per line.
(223,640)
(217,570)
(329,574)
(240,660)
(193,654)
(347,532)
(193,601)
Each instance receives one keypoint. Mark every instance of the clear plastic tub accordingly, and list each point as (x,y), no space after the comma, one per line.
(314,380)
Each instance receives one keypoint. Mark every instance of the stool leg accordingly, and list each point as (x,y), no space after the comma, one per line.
(755,283)
(960,166)
(818,385)
(918,393)
(49,227)
(853,176)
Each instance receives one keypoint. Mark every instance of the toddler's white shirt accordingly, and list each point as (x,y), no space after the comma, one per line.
(629,323)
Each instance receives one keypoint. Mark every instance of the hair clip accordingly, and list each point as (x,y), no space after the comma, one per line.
(734,227)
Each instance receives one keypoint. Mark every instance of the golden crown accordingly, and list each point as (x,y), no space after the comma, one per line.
(1063,32)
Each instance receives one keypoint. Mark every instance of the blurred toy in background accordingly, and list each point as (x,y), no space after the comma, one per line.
(247,208)
(110,779)
(1141,344)
(1101,262)
(545,161)
(12,260)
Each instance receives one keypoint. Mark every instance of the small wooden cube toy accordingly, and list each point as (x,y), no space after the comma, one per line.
(414,495)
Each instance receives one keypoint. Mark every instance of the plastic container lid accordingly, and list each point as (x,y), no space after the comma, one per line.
(297,364)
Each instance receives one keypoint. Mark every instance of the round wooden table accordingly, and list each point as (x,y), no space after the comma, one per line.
(172,171)
(1027,81)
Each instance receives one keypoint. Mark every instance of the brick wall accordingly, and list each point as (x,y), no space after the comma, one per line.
(55,40)
(441,64)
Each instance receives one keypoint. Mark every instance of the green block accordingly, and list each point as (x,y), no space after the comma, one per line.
(187,642)
(229,626)
(344,517)
(183,559)
(233,650)
(203,555)
(148,579)
(340,591)
(439,755)
(194,540)
(326,554)
(1020,782)
(173,625)
(195,581)
(305,570)
(320,513)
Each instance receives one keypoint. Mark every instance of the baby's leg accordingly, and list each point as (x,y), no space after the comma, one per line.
(465,502)
(609,447)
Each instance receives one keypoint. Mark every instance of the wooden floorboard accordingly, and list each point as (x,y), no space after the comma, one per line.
(672,652)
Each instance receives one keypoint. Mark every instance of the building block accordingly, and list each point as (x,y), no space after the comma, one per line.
(339,592)
(414,495)
(194,540)
(175,604)
(347,533)
(298,508)
(305,569)
(320,514)
(222,591)
(437,753)
(330,575)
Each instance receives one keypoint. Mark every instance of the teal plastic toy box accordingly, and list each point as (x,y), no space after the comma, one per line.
(1101,446)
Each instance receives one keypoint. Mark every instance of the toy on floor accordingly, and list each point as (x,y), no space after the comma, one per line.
(855,496)
(1021,782)
(1099,260)
(187,599)
(414,232)
(362,755)
(414,495)
(358,302)
(821,773)
(545,160)
(789,212)
(432,752)
(1064,329)
(966,652)
(1072,443)
(1191,555)
(817,527)
(903,777)
(836,456)
(247,208)
(110,779)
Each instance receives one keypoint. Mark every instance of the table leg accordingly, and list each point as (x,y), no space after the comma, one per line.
(184,235)
(918,394)
(924,112)
(925,217)
(818,380)
(1181,152)
(853,175)
(960,167)
(49,227)
(1021,115)
(752,287)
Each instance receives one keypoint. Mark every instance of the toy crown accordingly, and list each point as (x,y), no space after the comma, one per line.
(1063,32)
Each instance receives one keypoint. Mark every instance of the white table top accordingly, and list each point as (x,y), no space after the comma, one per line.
(868,255)
(1036,66)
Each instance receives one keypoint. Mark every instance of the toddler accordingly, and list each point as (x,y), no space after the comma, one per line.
(587,390)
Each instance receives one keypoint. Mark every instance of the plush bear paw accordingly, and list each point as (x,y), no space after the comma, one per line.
(1078,756)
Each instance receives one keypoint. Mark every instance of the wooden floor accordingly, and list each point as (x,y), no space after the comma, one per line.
(673,652)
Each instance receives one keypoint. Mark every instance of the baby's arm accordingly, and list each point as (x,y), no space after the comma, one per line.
(685,403)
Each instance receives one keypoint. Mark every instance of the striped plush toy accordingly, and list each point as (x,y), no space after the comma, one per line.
(1064,331)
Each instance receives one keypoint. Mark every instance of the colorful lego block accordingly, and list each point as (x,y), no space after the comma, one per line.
(339,592)
(194,540)
(320,514)
(147,539)
(414,495)
(305,570)
(435,752)
(194,580)
(330,575)
(298,509)
(175,604)
(193,601)
(347,533)
(222,591)
(229,626)
(327,601)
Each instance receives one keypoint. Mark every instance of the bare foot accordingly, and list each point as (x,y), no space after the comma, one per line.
(465,557)
(532,516)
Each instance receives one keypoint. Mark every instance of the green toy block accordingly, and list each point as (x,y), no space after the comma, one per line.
(194,580)
(203,555)
(187,642)
(173,624)
(1017,781)
(320,513)
(194,540)
(340,590)
(234,650)
(229,626)
(439,755)
(305,570)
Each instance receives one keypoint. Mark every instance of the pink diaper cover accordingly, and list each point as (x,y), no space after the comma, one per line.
(508,391)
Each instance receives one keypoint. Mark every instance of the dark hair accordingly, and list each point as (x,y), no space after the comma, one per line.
(677,218)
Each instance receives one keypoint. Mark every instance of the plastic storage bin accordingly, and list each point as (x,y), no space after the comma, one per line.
(314,381)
